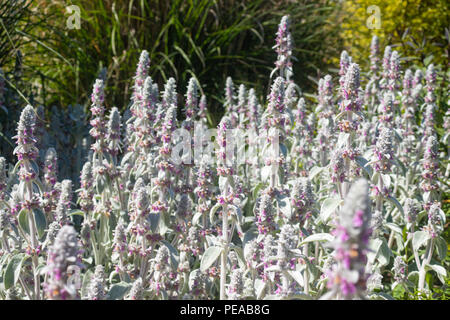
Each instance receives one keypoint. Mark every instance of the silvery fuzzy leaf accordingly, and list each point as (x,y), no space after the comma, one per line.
(118,291)
(384,253)
(320,237)
(399,241)
(196,218)
(274,268)
(85,284)
(249,235)
(328,207)
(364,164)
(396,203)
(442,215)
(41,221)
(419,239)
(256,190)
(386,180)
(283,150)
(440,271)
(394,228)
(13,270)
(441,247)
(153,218)
(76,212)
(164,223)
(426,196)
(23,220)
(260,287)
(375,177)
(223,182)
(213,211)
(342,140)
(265,173)
(174,255)
(297,253)
(240,255)
(374,247)
(192,276)
(209,257)
(297,276)
(314,172)
(17,166)
(212,241)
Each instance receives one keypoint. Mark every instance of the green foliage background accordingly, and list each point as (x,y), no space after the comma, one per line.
(209,40)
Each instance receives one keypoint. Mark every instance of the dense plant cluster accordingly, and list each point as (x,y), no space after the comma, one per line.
(287,199)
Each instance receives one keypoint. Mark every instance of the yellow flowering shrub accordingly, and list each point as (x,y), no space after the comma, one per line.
(423,21)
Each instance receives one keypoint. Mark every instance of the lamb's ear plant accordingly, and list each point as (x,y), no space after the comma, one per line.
(338,195)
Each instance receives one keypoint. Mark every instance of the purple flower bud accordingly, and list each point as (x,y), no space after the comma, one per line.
(344,63)
(418,76)
(374,52)
(399,269)
(383,151)
(386,108)
(394,66)
(137,290)
(184,209)
(302,199)
(96,290)
(62,254)
(26,141)
(192,98)
(114,131)
(276,104)
(430,165)
(141,74)
(225,126)
(98,98)
(350,89)
(202,107)
(435,220)
(337,166)
(431,77)
(120,238)
(252,109)
(169,96)
(387,61)
(236,286)
(283,46)
(265,215)
(229,94)
(411,209)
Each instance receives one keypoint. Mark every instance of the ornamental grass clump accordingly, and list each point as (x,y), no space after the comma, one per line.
(337,195)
